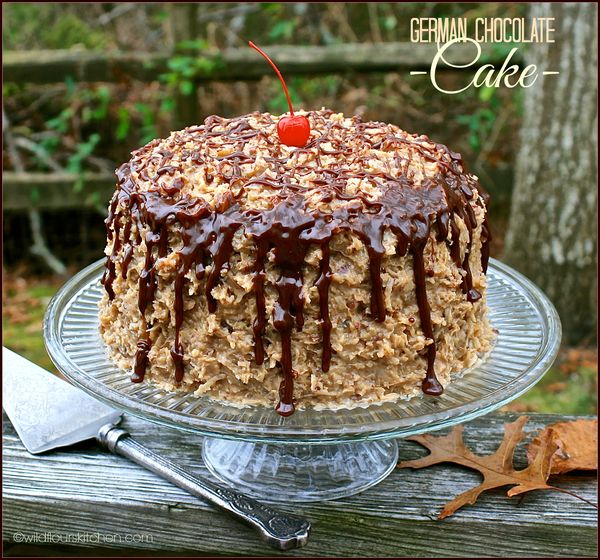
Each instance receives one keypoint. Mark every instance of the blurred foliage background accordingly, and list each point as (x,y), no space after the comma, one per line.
(78,127)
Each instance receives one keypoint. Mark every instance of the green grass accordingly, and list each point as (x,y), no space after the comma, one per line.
(560,393)
(568,388)
(25,337)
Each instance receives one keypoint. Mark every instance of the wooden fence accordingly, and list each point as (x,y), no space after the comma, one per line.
(56,190)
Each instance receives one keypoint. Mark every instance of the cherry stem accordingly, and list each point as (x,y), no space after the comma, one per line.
(285,89)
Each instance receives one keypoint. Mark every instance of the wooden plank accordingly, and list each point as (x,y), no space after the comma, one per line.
(44,67)
(54,191)
(54,66)
(83,490)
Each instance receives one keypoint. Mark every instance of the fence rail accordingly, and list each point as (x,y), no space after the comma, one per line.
(45,67)
(55,191)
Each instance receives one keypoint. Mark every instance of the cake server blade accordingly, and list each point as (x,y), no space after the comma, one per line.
(46,411)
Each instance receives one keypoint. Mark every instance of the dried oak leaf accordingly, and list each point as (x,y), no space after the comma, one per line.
(497,468)
(577,446)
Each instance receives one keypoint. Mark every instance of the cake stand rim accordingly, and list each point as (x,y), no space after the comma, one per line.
(281,433)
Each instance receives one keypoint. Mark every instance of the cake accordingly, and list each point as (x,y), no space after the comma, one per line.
(346,272)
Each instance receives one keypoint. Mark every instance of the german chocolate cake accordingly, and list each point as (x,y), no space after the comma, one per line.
(345,272)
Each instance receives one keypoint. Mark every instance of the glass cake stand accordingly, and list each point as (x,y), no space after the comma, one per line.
(313,454)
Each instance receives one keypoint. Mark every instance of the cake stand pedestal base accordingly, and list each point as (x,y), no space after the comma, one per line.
(300,473)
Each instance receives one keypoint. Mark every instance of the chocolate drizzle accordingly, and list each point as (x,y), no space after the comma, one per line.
(288,227)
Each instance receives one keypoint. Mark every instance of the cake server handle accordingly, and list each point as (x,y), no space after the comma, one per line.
(278,529)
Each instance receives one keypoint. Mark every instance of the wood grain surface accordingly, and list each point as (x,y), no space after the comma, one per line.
(105,505)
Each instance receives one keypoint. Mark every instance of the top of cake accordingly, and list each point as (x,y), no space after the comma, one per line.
(344,159)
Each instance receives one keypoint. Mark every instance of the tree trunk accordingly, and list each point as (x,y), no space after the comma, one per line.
(552,230)
(183,20)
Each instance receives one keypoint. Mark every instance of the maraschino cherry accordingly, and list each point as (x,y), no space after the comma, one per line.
(295,129)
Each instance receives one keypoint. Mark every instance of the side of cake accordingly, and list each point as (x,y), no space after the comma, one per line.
(348,271)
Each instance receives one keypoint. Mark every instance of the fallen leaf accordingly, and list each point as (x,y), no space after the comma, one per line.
(556,387)
(576,442)
(15,315)
(575,358)
(497,468)
(516,407)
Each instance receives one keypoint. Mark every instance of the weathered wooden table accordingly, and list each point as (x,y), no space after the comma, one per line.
(83,501)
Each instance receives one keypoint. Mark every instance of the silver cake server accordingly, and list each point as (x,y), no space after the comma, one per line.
(48,412)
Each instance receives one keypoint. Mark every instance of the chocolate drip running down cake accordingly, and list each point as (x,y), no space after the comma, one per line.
(346,272)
